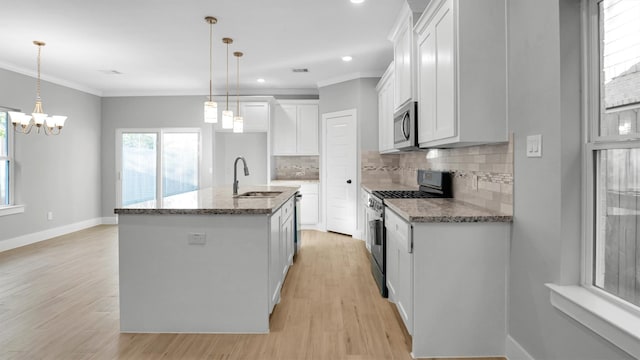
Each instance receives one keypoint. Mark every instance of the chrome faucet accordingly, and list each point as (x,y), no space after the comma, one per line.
(235,173)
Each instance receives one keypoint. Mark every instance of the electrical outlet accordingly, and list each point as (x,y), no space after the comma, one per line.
(197,238)
(474,182)
(50,216)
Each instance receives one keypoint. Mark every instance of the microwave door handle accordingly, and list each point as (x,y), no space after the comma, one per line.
(405,126)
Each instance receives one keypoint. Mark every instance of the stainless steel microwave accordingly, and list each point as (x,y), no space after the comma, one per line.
(405,129)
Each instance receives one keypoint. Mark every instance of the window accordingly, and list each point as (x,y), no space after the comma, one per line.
(6,160)
(614,149)
(156,163)
(606,297)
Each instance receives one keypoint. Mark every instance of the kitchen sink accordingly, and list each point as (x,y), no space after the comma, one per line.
(259,194)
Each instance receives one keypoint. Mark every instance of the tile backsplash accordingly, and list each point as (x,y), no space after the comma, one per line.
(491,164)
(297,167)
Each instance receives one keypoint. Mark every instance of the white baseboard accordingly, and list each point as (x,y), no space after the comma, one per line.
(515,351)
(311,227)
(33,238)
(111,220)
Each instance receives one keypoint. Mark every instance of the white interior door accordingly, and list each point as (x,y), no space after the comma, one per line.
(341,170)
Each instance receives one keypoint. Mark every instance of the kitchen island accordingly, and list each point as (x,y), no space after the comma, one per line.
(204,261)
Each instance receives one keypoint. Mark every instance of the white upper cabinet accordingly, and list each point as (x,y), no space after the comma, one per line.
(284,128)
(461,73)
(255,114)
(307,129)
(385,89)
(295,127)
(402,36)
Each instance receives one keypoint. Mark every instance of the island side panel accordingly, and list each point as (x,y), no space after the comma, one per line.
(460,289)
(169,285)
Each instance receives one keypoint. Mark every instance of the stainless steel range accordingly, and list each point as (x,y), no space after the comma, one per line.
(432,184)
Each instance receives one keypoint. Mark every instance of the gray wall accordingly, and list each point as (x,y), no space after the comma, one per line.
(251,146)
(544,88)
(60,173)
(360,94)
(149,112)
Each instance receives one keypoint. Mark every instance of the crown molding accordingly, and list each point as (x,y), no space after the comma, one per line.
(51,79)
(348,77)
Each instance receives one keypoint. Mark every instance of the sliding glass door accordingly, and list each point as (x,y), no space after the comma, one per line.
(156,163)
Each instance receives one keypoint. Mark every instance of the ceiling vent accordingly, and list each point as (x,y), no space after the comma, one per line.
(302,70)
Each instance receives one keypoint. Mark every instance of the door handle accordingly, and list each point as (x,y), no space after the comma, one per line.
(349,181)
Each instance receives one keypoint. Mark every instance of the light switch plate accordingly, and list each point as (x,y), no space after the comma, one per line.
(197,238)
(534,146)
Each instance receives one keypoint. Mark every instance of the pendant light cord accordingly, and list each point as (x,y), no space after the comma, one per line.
(227,76)
(210,62)
(238,88)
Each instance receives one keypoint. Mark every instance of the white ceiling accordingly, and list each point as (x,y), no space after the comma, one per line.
(161,46)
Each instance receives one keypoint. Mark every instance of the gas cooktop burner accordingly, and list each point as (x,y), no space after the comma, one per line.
(404,194)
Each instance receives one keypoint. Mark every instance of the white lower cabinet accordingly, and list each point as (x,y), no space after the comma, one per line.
(281,248)
(286,238)
(448,282)
(309,204)
(459,289)
(275,277)
(400,266)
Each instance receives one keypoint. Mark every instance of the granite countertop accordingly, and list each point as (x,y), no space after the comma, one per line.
(214,201)
(375,186)
(443,211)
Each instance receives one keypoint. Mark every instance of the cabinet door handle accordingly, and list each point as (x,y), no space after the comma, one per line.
(349,181)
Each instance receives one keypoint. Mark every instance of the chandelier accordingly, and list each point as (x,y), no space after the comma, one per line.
(210,106)
(24,123)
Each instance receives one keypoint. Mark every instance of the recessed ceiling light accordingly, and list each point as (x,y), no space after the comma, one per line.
(347,58)
(260,80)
(357,1)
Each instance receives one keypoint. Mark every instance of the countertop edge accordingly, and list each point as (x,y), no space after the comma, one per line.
(279,201)
(196,211)
(489,218)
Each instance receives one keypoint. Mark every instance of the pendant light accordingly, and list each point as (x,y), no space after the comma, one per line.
(210,107)
(23,123)
(227,115)
(238,121)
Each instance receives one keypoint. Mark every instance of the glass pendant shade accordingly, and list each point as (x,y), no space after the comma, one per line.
(56,121)
(16,117)
(238,124)
(227,119)
(39,118)
(211,112)
(26,120)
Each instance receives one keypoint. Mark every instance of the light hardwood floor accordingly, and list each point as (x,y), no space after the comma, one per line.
(59,300)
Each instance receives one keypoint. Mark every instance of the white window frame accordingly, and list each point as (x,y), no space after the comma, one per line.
(12,207)
(607,315)
(160,132)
